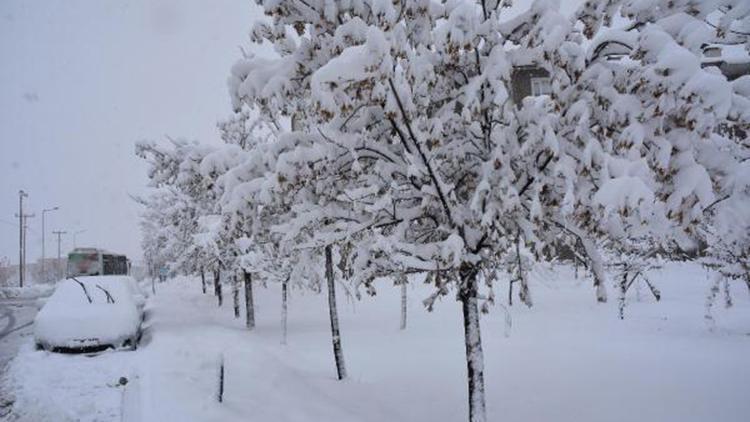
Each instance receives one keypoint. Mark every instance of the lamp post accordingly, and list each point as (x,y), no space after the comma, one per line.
(21,195)
(25,227)
(21,237)
(44,257)
(59,234)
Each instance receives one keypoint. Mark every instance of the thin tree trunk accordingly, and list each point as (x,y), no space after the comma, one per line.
(284,294)
(653,289)
(203,280)
(597,269)
(217,286)
(523,288)
(236,295)
(403,306)
(249,305)
(473,342)
(623,292)
(338,353)
(510,292)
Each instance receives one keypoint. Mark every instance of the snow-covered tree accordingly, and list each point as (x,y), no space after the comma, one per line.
(236,167)
(408,147)
(666,173)
(175,211)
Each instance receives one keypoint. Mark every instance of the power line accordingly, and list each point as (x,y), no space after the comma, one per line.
(31,229)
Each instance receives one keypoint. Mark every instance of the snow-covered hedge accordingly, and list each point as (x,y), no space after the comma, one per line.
(27,292)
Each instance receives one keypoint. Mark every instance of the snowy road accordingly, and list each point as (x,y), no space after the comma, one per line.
(16,320)
(16,323)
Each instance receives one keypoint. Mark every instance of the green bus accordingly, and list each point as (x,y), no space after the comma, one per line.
(92,261)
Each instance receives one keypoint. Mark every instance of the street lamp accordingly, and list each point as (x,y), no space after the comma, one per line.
(44,257)
(21,227)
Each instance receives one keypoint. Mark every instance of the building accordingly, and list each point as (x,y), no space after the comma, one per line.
(529,79)
(732,59)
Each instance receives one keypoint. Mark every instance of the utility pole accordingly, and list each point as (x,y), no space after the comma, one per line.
(44,257)
(59,239)
(21,195)
(25,228)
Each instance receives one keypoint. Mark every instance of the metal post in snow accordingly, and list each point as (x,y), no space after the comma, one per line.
(220,380)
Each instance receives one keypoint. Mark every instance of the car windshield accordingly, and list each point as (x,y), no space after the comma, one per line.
(83,264)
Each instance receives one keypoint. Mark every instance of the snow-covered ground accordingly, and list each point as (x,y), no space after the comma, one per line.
(32,291)
(566,359)
(16,320)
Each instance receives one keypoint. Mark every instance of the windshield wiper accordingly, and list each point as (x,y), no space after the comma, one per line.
(110,299)
(86,292)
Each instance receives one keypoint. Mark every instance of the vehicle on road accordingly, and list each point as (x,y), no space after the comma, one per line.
(93,261)
(90,314)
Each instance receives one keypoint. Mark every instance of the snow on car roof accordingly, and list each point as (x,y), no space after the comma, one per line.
(97,308)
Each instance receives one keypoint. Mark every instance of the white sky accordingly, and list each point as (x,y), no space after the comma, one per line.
(80,82)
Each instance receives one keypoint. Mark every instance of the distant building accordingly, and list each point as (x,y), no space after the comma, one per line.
(732,59)
(529,79)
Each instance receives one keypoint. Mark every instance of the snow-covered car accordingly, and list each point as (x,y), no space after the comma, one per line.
(87,314)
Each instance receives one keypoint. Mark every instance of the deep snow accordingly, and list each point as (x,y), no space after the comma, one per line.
(566,359)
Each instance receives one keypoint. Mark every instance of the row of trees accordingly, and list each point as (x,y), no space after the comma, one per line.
(382,140)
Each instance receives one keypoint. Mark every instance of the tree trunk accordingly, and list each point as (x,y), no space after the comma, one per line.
(338,353)
(203,280)
(217,286)
(597,269)
(473,342)
(510,292)
(403,306)
(249,305)
(523,289)
(236,295)
(284,287)
(623,292)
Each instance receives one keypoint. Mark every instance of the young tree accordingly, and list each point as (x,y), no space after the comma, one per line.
(183,197)
(408,140)
(264,251)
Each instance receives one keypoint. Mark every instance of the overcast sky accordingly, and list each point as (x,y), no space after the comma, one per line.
(80,82)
